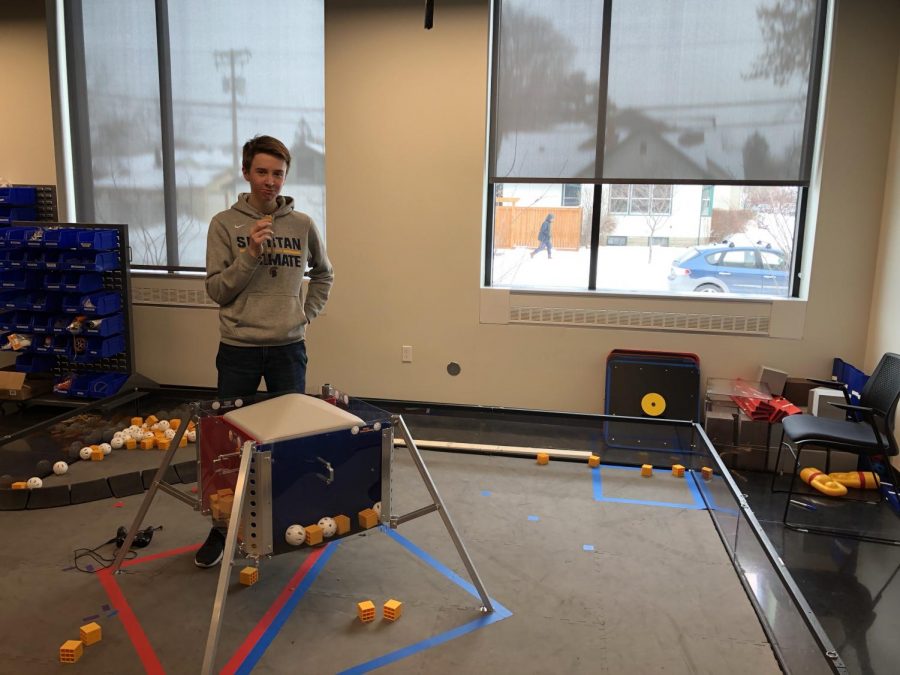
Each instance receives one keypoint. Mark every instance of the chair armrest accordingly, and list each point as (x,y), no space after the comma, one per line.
(857,408)
(833,384)
(869,415)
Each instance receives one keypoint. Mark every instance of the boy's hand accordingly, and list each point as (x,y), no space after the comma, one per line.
(260,233)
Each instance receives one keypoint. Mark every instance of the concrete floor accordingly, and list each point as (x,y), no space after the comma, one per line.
(656,594)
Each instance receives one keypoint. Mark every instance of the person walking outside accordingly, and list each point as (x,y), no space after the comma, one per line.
(545,237)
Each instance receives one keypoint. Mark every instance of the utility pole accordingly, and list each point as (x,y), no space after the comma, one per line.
(231,59)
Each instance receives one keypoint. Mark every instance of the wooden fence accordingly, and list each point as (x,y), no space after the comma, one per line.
(519,226)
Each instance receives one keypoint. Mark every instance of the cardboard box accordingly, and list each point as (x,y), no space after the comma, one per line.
(16,386)
(819,399)
(774,379)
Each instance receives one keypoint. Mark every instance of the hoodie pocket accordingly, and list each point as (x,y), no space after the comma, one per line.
(258,318)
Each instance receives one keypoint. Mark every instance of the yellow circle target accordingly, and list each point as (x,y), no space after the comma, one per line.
(653,404)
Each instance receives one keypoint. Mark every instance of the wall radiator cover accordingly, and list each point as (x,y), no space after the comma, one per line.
(636,319)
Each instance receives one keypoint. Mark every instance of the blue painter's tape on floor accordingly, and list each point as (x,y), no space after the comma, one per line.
(485,493)
(597,482)
(534,518)
(278,622)
(500,612)
(588,547)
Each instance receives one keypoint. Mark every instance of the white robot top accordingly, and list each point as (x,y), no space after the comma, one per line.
(291,416)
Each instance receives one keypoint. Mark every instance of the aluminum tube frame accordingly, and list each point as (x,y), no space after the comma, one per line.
(234,521)
(157,483)
(400,425)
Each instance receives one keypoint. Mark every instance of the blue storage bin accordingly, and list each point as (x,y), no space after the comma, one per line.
(83,283)
(105,326)
(102,347)
(101,304)
(23,322)
(42,323)
(34,363)
(19,236)
(37,302)
(88,261)
(62,345)
(80,386)
(53,281)
(49,260)
(60,324)
(20,280)
(99,240)
(14,259)
(107,384)
(7,321)
(61,237)
(18,196)
(14,214)
(34,259)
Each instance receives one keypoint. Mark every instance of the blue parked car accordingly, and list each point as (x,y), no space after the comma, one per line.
(729,268)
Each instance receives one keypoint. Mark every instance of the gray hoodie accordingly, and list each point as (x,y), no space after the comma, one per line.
(261,300)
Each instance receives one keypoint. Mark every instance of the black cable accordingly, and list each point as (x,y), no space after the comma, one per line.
(102,561)
(429,14)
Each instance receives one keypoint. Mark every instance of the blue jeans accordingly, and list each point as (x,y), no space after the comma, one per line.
(242,368)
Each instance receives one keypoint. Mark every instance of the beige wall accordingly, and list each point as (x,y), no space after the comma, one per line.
(26,124)
(884,327)
(406,129)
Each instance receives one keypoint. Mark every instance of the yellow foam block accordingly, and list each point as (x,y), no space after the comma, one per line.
(91,633)
(163,443)
(249,576)
(543,458)
(365,610)
(147,443)
(678,470)
(71,651)
(593,461)
(137,421)
(646,470)
(368,518)
(97,455)
(314,535)
(707,473)
(20,485)
(392,609)
(343,524)
(130,444)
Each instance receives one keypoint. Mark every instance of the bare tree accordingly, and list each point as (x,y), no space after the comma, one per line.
(775,210)
(654,222)
(728,222)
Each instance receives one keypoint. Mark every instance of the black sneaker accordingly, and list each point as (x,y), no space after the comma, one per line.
(210,554)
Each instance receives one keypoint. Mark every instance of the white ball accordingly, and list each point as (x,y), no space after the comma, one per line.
(295,535)
(164,424)
(60,468)
(34,482)
(377,426)
(154,427)
(354,430)
(85,453)
(119,434)
(106,448)
(134,428)
(137,434)
(147,434)
(117,442)
(376,507)
(328,525)
(169,433)
(191,435)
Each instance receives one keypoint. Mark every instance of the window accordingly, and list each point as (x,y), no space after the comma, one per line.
(157,142)
(689,124)
(571,195)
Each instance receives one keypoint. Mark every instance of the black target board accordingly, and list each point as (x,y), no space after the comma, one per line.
(655,385)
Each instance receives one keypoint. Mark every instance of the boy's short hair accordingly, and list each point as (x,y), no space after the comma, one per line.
(268,145)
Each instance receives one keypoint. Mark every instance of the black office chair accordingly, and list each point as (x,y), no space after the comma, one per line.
(871,436)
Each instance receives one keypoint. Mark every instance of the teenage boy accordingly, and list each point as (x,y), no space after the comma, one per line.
(256,255)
